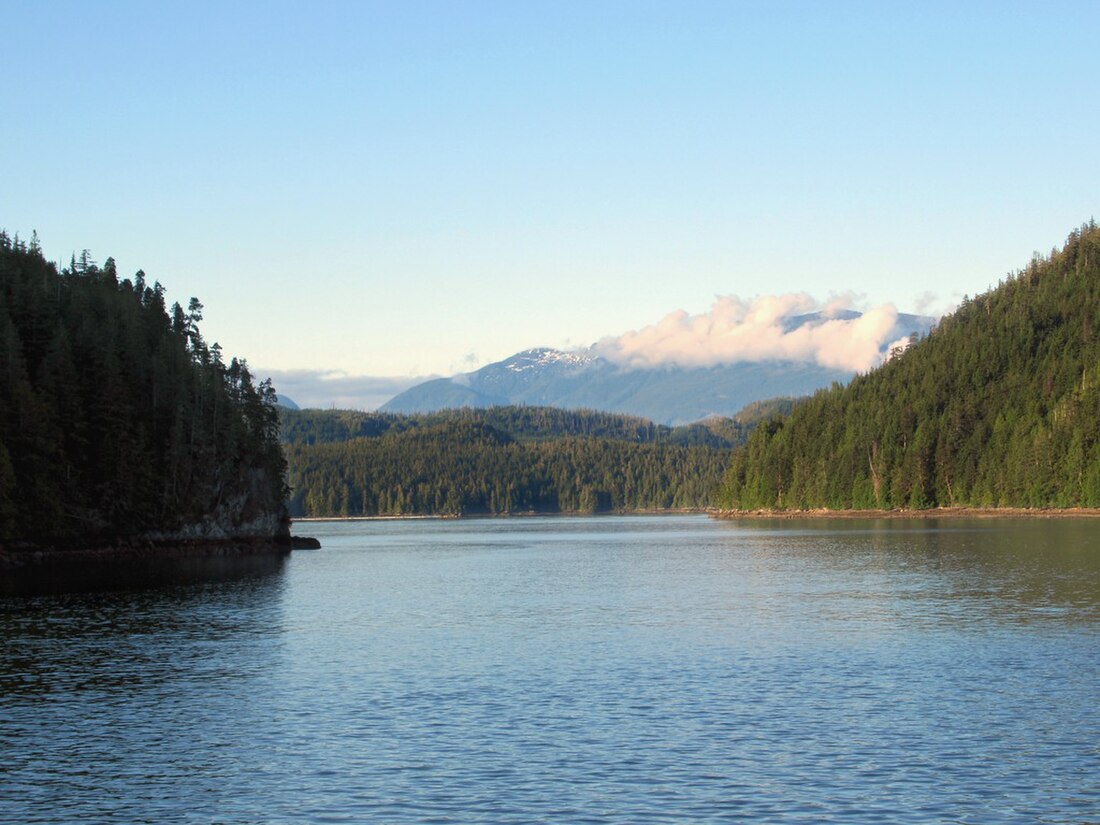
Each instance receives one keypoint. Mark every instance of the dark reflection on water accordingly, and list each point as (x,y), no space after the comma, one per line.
(617,670)
(1014,569)
(144,574)
(118,686)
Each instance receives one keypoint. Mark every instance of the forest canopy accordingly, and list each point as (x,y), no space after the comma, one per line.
(998,406)
(116,417)
(500,460)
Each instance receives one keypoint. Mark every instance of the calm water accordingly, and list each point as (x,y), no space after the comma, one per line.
(610,670)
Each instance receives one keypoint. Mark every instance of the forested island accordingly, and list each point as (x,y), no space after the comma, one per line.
(999,406)
(504,460)
(119,425)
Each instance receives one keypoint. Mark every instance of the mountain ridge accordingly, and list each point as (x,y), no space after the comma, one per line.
(668,394)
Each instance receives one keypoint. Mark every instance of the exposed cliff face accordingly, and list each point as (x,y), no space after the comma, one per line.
(250,521)
(250,512)
(274,527)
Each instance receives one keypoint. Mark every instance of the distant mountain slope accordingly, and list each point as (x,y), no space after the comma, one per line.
(668,395)
(440,394)
(286,402)
(998,406)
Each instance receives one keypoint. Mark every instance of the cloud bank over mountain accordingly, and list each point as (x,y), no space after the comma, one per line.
(790,327)
(680,369)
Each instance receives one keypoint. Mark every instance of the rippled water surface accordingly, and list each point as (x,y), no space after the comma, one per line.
(609,670)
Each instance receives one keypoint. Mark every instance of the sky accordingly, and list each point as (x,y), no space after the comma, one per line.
(373,191)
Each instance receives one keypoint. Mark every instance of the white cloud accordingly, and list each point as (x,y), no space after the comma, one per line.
(759,329)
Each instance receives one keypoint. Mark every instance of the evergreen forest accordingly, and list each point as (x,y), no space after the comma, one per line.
(999,406)
(500,460)
(118,420)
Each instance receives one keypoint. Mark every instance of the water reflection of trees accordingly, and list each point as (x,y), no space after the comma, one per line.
(1026,569)
(134,689)
(1022,570)
(101,627)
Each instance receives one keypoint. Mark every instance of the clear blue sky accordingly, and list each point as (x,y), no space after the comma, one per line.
(388,188)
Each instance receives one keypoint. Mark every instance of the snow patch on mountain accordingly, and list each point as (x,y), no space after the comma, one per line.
(544,357)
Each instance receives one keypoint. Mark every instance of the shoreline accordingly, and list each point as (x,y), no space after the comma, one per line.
(525,514)
(410,517)
(787,515)
(935,512)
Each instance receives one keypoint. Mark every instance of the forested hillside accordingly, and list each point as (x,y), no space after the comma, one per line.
(500,460)
(117,419)
(998,406)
